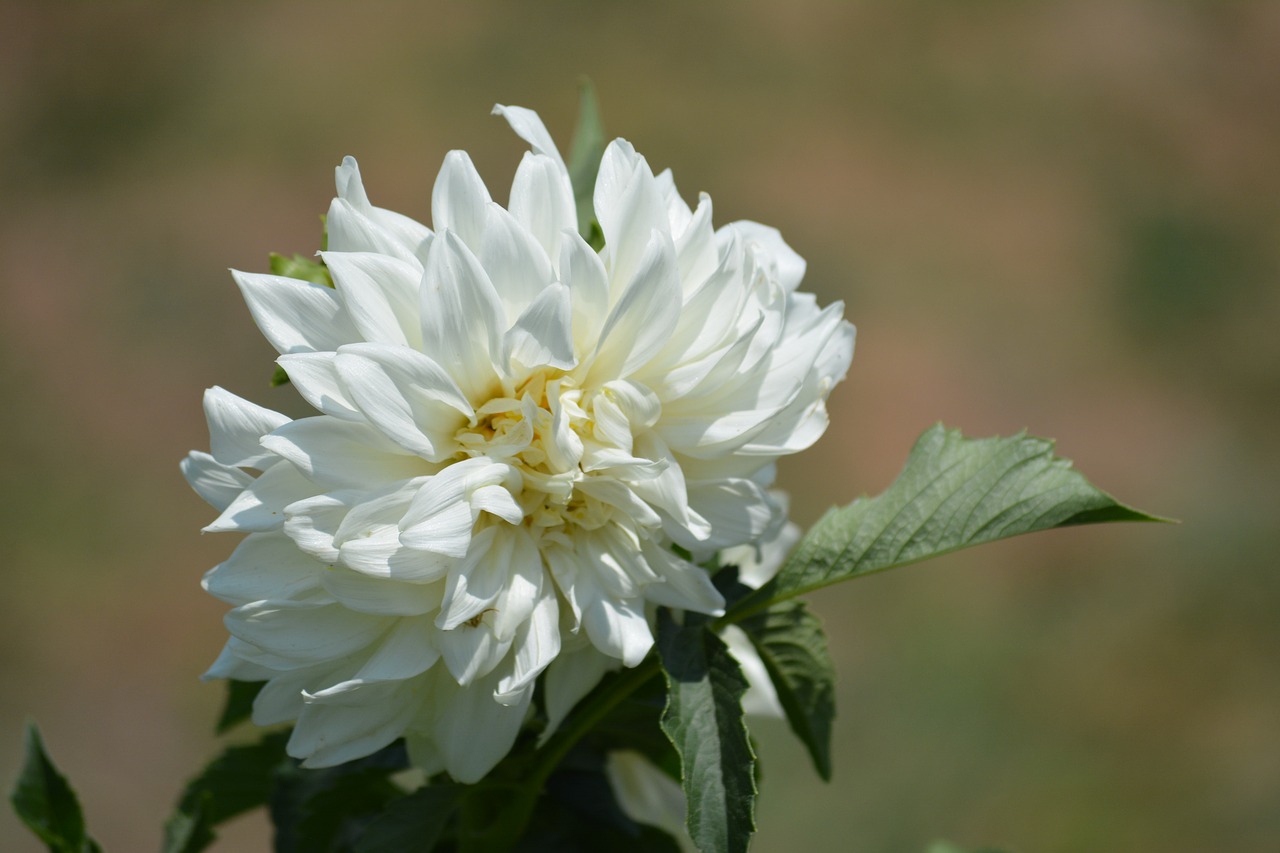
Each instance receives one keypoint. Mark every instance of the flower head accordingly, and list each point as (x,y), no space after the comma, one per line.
(519,439)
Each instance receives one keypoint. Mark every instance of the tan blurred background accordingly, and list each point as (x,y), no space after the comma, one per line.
(1062,216)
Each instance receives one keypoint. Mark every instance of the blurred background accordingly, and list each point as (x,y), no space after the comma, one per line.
(1063,216)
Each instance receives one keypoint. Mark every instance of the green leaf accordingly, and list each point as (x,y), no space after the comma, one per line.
(334,817)
(413,823)
(953,493)
(190,831)
(326,809)
(793,647)
(238,780)
(279,377)
(307,269)
(584,162)
(703,720)
(239,704)
(44,801)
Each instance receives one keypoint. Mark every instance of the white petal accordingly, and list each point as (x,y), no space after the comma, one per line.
(328,734)
(629,206)
(781,260)
(459,199)
(617,627)
(696,247)
(296,316)
(440,518)
(236,426)
(473,732)
(462,319)
(583,272)
(471,651)
(407,396)
(263,566)
(536,646)
(231,665)
(312,523)
(684,585)
(761,698)
(408,650)
(260,507)
(355,225)
(514,260)
(218,484)
(496,500)
(288,635)
(338,454)
(570,677)
(737,510)
(526,586)
(316,378)
(380,596)
(646,794)
(476,583)
(281,698)
(543,336)
(529,127)
(643,317)
(380,294)
(542,201)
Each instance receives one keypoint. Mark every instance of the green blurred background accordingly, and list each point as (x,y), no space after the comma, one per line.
(1063,216)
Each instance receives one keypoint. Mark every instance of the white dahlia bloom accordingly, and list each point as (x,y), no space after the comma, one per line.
(514,434)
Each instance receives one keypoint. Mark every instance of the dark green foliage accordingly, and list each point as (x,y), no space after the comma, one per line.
(704,721)
(326,810)
(239,704)
(792,645)
(46,803)
(413,823)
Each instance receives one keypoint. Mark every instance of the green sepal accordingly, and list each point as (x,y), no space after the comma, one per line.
(306,269)
(46,803)
(704,721)
(279,377)
(584,162)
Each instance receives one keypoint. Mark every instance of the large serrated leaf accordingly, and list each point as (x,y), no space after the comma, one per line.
(45,802)
(793,647)
(584,162)
(704,722)
(954,492)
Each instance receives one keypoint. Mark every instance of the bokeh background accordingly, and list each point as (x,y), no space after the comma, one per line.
(1062,216)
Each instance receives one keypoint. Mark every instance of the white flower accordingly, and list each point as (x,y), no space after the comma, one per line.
(514,433)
